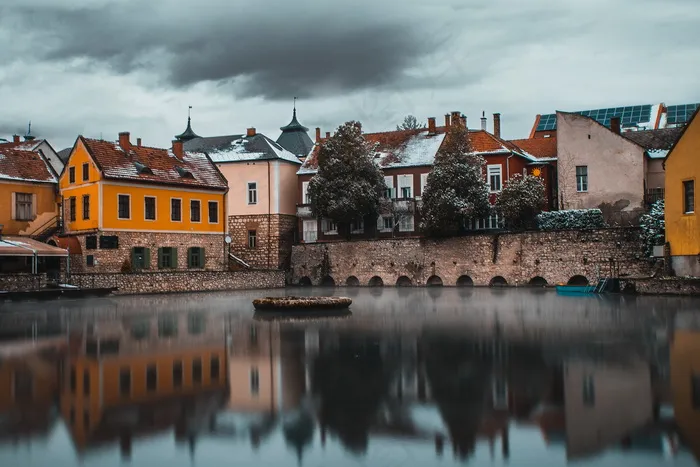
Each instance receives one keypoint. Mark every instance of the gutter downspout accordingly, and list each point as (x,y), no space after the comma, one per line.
(269,212)
(508,166)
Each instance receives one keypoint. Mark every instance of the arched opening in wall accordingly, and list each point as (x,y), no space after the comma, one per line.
(403,281)
(352,281)
(498,281)
(434,281)
(537,281)
(327,281)
(376,281)
(305,282)
(578,280)
(465,281)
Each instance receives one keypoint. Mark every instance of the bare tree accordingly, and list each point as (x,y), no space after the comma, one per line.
(409,123)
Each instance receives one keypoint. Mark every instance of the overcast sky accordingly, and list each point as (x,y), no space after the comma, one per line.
(97,67)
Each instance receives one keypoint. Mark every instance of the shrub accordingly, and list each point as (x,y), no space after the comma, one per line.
(521,200)
(653,227)
(126,266)
(571,219)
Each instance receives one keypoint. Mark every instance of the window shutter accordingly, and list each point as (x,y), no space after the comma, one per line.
(147,258)
(173,258)
(14,206)
(189,257)
(202,263)
(160,258)
(133,257)
(33,205)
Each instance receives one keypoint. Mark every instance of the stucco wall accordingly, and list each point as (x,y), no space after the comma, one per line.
(655,173)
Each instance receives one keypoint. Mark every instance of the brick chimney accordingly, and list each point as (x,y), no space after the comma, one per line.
(250,132)
(483,121)
(15,138)
(615,124)
(318,135)
(177,149)
(447,120)
(124,141)
(497,125)
(138,142)
(464,121)
(431,125)
(456,118)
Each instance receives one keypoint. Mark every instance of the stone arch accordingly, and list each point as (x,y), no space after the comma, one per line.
(376,281)
(327,281)
(434,281)
(352,281)
(404,281)
(305,281)
(578,280)
(498,281)
(537,281)
(465,281)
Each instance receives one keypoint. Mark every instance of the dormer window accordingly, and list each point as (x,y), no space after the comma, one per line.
(184,173)
(142,169)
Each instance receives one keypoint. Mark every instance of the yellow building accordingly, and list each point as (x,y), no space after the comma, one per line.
(682,167)
(143,208)
(685,385)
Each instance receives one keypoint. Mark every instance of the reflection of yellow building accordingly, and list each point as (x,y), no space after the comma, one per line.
(685,386)
(111,380)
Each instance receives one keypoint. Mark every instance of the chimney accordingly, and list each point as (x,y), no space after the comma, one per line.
(177,148)
(456,118)
(431,125)
(124,142)
(464,121)
(328,134)
(15,138)
(615,124)
(483,121)
(250,132)
(138,142)
(497,125)
(447,120)
(318,135)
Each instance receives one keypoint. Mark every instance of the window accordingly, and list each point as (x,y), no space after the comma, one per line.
(124,206)
(195,257)
(86,172)
(140,257)
(149,208)
(86,207)
(167,326)
(329,227)
(140,329)
(423,183)
(90,260)
(689,196)
(214,367)
(177,374)
(357,226)
(73,380)
(176,209)
(195,211)
(695,390)
(252,193)
(196,323)
(252,238)
(167,258)
(151,378)
(125,381)
(91,242)
(581,178)
(406,223)
(389,183)
(254,381)
(588,390)
(305,193)
(494,176)
(387,223)
(310,231)
(109,242)
(24,210)
(406,185)
(197,371)
(72,208)
(213,212)
(71,175)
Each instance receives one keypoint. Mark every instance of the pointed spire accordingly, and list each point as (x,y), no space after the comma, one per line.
(188,134)
(29,136)
(294,125)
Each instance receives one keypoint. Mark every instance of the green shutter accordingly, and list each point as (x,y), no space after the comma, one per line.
(147,258)
(202,263)
(173,257)
(160,258)
(189,257)
(134,266)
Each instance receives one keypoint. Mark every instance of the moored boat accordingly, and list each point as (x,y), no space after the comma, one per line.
(301,303)
(575,289)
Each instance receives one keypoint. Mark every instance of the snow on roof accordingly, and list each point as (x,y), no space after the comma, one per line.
(24,165)
(241,148)
(418,150)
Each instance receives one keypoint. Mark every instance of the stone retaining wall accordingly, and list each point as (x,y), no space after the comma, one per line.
(667,286)
(180,281)
(516,258)
(19,282)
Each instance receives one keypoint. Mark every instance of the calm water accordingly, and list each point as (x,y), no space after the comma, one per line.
(413,377)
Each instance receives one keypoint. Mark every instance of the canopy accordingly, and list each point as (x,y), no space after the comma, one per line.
(24,246)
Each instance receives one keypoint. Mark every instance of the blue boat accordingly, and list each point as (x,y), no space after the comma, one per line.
(575,289)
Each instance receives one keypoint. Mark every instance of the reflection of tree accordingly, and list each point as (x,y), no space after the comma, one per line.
(351,381)
(299,433)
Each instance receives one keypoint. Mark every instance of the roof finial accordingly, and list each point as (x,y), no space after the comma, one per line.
(295,106)
(28,136)
(189,112)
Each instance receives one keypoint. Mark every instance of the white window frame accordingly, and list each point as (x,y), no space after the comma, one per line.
(200,211)
(325,227)
(155,208)
(579,180)
(405,222)
(493,170)
(312,236)
(357,226)
(118,213)
(389,184)
(252,191)
(218,214)
(305,193)
(382,226)
(405,182)
(423,183)
(171,209)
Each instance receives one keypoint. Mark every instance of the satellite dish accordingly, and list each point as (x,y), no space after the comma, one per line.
(227,239)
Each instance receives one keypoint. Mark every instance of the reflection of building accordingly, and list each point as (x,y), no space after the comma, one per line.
(604,404)
(685,386)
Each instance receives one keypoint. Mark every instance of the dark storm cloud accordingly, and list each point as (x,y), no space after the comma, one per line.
(273,54)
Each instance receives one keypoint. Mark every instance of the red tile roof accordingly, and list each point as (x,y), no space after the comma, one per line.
(115,163)
(25,145)
(538,147)
(23,165)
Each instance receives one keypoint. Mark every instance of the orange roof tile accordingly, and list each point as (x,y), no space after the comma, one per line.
(23,165)
(538,147)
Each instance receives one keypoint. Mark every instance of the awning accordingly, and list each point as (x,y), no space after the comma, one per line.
(24,246)
(67,243)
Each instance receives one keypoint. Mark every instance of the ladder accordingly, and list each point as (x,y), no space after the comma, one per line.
(602,285)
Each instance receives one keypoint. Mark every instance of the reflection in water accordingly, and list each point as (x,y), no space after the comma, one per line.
(448,380)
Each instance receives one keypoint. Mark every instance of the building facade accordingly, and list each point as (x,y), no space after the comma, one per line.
(134,207)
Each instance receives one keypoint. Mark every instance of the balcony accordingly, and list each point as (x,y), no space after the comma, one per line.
(304,211)
(407,205)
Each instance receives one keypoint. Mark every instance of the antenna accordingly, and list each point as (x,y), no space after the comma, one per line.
(295,104)
(29,130)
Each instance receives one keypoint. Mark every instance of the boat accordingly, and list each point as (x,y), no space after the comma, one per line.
(301,303)
(575,289)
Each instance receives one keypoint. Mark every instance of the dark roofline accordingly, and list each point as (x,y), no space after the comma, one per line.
(680,137)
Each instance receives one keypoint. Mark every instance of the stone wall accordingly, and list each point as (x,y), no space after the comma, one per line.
(516,257)
(274,239)
(20,282)
(180,281)
(667,286)
(111,260)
